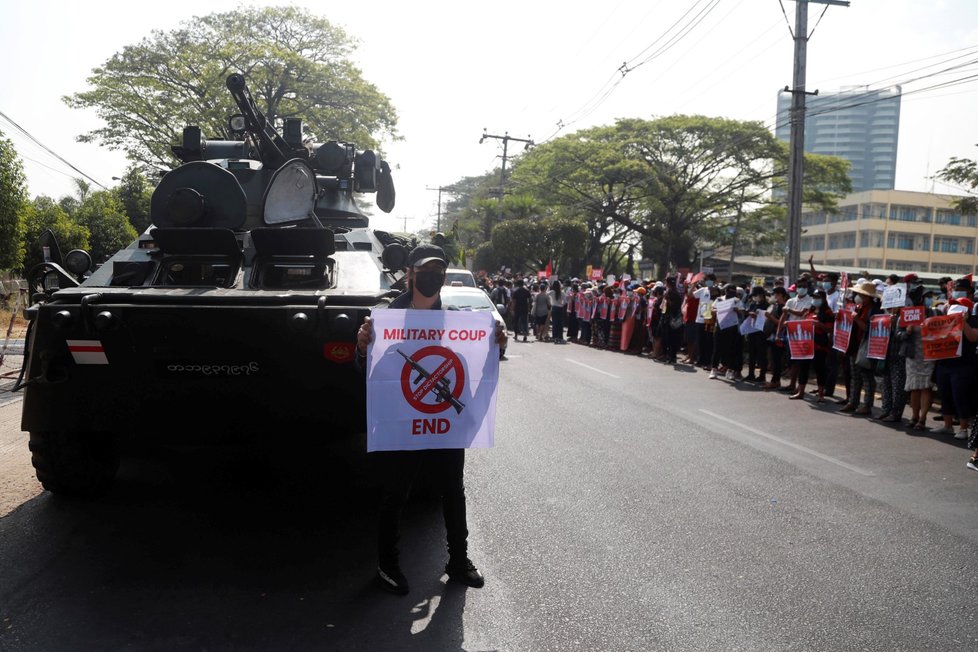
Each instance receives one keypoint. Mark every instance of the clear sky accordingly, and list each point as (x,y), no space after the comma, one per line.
(454,68)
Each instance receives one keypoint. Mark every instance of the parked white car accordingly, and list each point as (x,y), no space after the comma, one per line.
(459,276)
(465,298)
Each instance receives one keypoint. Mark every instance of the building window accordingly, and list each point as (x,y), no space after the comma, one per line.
(871,239)
(874,263)
(903,213)
(811,219)
(897,266)
(900,241)
(945,216)
(813,243)
(971,220)
(842,241)
(946,245)
(945,268)
(873,211)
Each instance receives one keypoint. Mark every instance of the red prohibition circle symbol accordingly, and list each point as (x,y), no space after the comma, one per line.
(437,377)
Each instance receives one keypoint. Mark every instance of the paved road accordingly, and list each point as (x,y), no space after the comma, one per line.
(626,506)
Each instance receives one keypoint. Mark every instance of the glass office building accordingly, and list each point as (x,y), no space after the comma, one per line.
(855,123)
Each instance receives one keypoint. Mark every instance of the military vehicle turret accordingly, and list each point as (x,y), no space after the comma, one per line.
(233,316)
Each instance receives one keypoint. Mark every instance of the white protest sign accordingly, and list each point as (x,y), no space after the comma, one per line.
(759,320)
(726,314)
(431,380)
(895,296)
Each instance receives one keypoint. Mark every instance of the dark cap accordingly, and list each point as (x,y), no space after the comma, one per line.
(425,254)
(758,290)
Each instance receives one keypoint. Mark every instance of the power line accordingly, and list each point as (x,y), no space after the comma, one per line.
(48,149)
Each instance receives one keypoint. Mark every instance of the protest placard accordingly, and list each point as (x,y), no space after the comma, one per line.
(431,380)
(842,331)
(879,336)
(726,312)
(801,339)
(941,336)
(912,316)
(895,296)
(597,273)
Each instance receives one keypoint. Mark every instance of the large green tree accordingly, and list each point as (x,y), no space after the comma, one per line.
(963,172)
(109,230)
(296,64)
(13,201)
(675,182)
(45,213)
(134,193)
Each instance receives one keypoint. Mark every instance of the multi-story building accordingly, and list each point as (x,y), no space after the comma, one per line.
(893,230)
(857,124)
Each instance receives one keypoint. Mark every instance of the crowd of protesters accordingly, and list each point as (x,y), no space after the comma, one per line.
(667,319)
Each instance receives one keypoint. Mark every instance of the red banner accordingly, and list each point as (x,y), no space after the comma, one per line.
(844,281)
(541,274)
(879,336)
(941,336)
(912,316)
(801,339)
(597,273)
(842,331)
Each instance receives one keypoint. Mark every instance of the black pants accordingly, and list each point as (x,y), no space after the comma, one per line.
(818,363)
(705,349)
(398,470)
(572,324)
(727,348)
(557,323)
(832,370)
(673,343)
(777,361)
(757,354)
(521,325)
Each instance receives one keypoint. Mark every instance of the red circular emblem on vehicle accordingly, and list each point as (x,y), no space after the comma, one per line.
(437,383)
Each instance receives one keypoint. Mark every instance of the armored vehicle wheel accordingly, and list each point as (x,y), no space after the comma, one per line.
(77,464)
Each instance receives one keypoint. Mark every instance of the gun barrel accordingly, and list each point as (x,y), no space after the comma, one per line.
(441,388)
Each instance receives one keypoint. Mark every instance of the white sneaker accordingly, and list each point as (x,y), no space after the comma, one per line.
(962,434)
(713,374)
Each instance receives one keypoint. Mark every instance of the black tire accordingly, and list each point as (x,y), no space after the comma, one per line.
(75,464)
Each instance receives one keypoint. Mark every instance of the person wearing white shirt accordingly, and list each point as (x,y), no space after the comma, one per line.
(796,309)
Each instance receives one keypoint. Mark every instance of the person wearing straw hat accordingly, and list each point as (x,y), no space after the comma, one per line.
(867,304)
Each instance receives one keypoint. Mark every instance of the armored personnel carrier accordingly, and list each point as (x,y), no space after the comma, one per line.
(233,316)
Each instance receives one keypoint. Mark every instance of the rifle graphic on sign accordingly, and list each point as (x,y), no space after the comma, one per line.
(440,385)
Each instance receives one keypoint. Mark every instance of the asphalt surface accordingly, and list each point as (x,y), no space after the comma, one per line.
(627,505)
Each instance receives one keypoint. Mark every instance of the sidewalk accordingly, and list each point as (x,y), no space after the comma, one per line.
(17,481)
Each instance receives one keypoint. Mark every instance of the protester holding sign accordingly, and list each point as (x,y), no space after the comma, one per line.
(892,386)
(957,376)
(824,320)
(920,372)
(861,366)
(398,468)
(757,338)
(774,344)
(795,309)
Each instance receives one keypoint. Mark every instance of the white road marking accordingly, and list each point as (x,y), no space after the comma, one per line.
(511,355)
(821,456)
(591,368)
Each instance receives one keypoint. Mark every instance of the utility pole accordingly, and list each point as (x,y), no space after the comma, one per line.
(502,174)
(405,219)
(796,159)
(440,189)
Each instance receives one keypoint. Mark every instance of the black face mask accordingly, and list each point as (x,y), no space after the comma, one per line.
(428,283)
